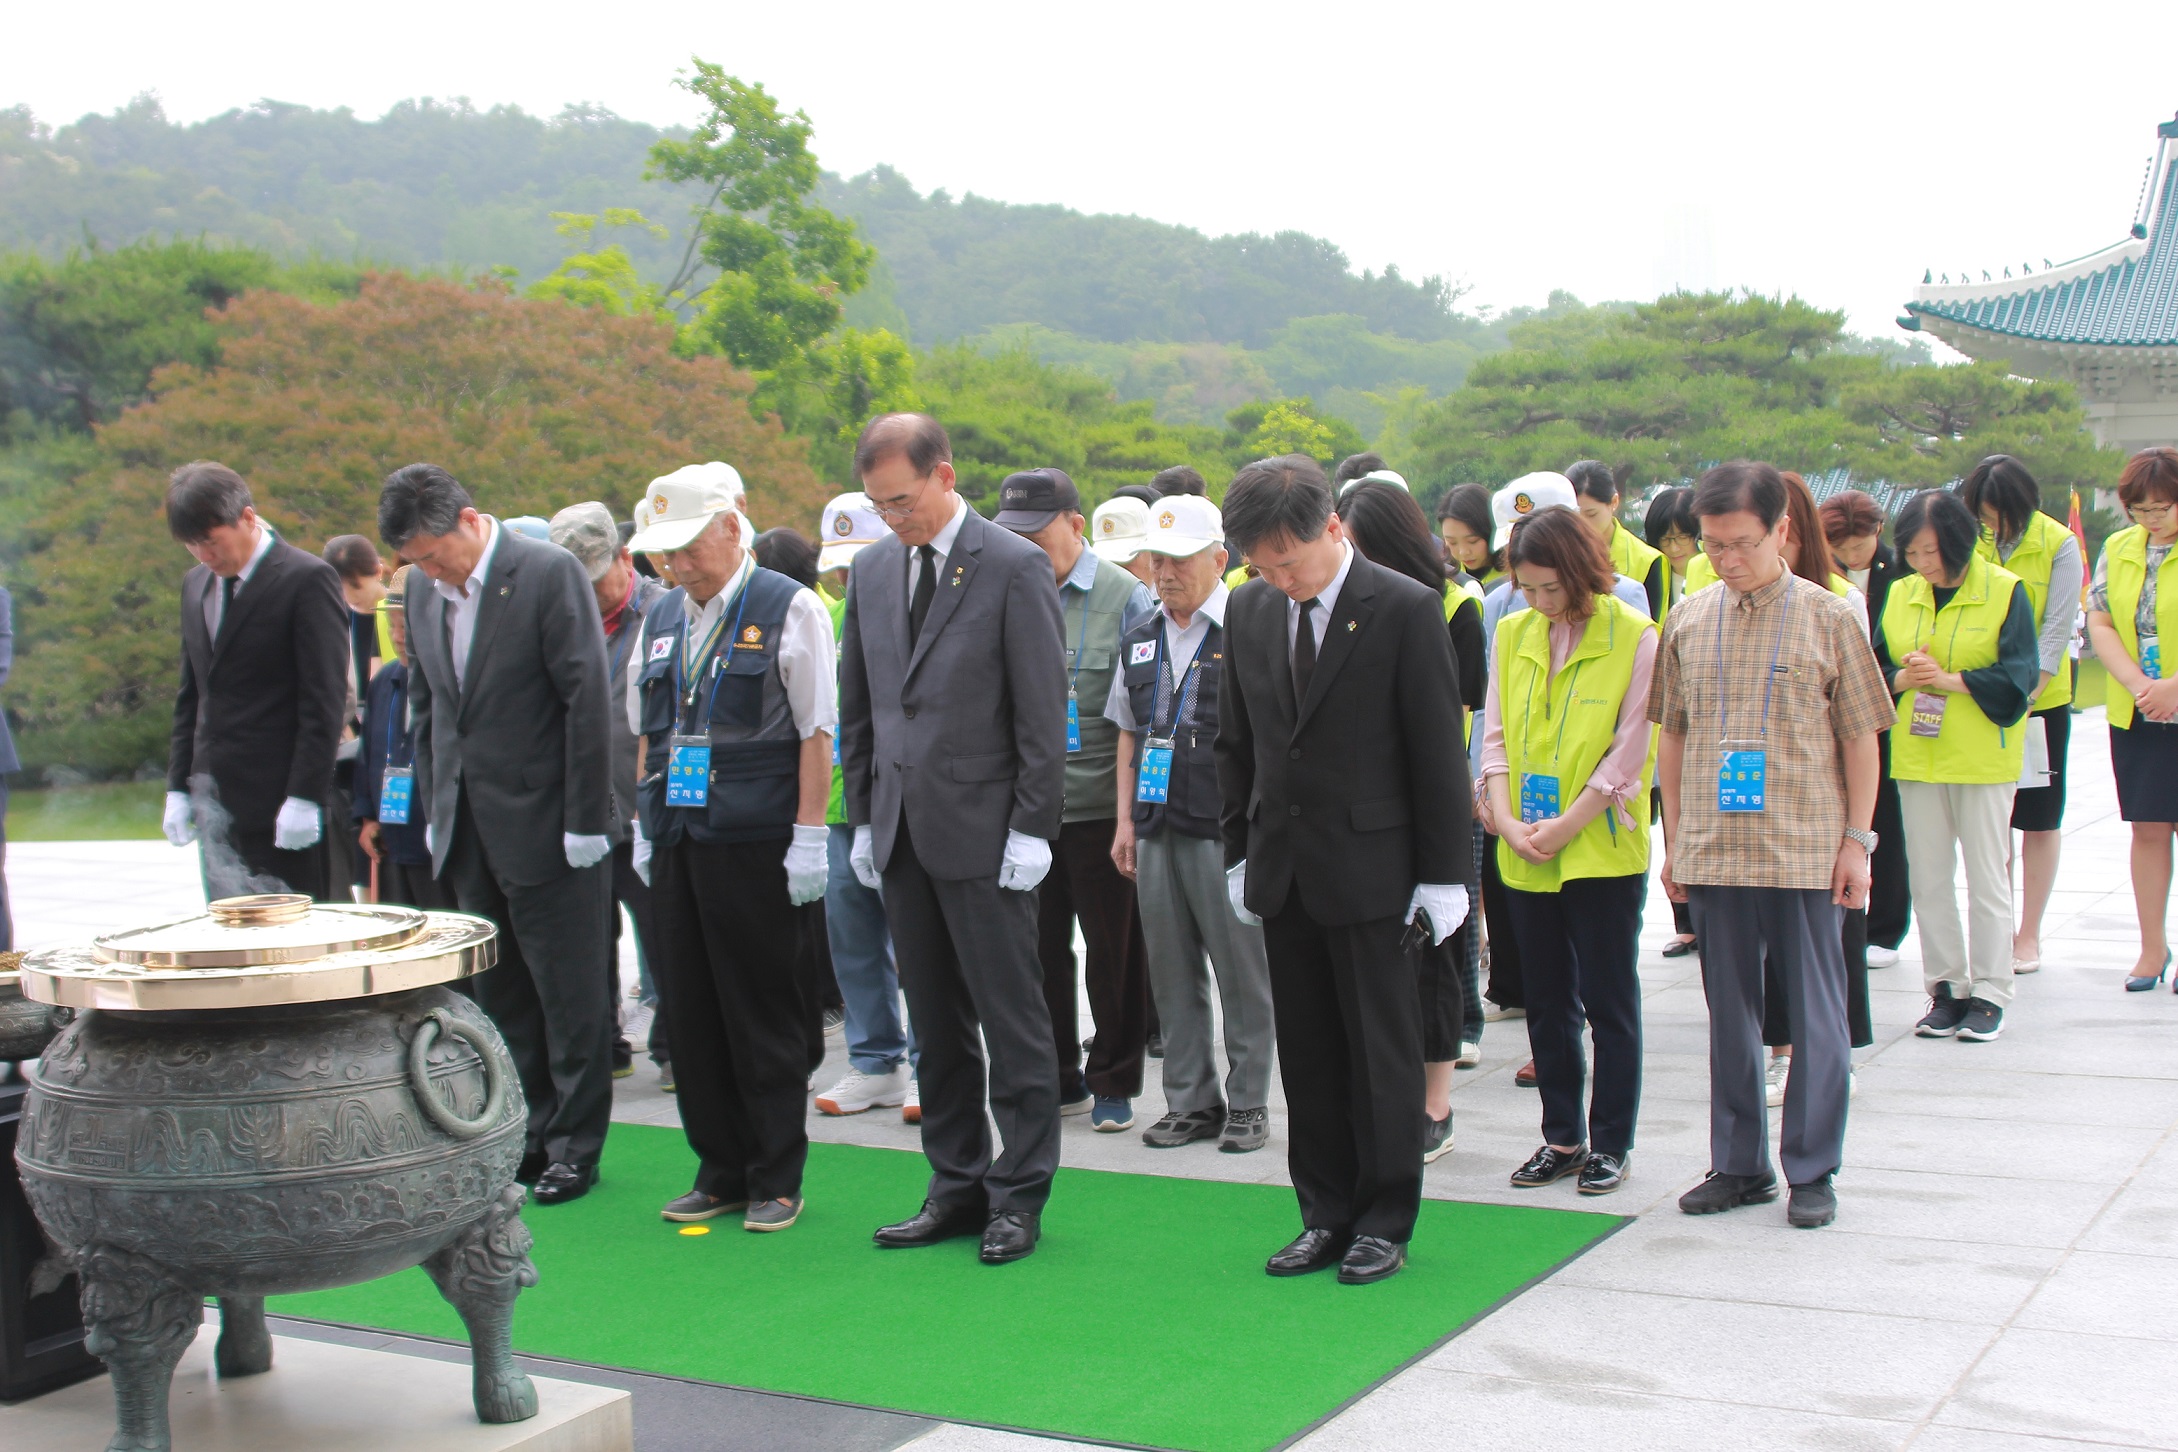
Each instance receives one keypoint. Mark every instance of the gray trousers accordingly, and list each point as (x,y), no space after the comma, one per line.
(1802,929)
(1179,885)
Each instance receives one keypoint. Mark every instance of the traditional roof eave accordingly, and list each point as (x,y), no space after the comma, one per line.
(1985,343)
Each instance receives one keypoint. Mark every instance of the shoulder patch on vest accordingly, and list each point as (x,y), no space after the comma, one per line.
(1141,652)
(661,647)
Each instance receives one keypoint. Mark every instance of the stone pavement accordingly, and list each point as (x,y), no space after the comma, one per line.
(1999,1276)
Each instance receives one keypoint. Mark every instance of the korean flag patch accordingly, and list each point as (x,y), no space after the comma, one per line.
(1142,652)
(661,647)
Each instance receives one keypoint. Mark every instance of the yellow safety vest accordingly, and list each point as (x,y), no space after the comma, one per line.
(2032,562)
(1633,557)
(1700,575)
(2125,566)
(1970,748)
(1562,726)
(1454,594)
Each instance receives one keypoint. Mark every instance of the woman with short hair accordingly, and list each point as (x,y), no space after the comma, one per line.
(1673,532)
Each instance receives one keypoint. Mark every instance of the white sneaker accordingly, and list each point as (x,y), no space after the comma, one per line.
(1773,1079)
(1852,1083)
(1882,957)
(911,1112)
(859,1091)
(1497,1013)
(1470,1056)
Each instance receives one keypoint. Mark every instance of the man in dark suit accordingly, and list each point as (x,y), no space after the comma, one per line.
(514,762)
(257,719)
(953,746)
(1345,820)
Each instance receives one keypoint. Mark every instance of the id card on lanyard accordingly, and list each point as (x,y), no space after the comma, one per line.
(2151,656)
(688,760)
(397,787)
(1073,705)
(1541,796)
(1153,780)
(1743,767)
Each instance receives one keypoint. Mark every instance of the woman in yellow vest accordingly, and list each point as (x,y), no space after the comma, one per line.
(2043,554)
(1673,532)
(1465,526)
(1957,644)
(1595,488)
(2132,618)
(1565,763)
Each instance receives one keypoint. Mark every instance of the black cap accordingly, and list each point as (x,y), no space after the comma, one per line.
(1031,499)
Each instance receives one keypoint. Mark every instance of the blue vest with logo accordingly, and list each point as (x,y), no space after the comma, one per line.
(1191,804)
(755,784)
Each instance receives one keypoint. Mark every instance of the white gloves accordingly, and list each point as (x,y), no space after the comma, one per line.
(431,839)
(1446,904)
(862,857)
(1027,860)
(180,825)
(1236,891)
(642,854)
(585,851)
(807,864)
(297,826)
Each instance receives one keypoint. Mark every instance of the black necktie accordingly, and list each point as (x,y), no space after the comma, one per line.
(926,586)
(226,599)
(1304,652)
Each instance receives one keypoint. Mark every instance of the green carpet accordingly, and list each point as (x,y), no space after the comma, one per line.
(1144,1317)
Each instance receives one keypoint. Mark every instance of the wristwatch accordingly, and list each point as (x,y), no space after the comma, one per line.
(1865,838)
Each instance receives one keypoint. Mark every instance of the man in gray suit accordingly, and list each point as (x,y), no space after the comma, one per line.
(509,701)
(953,747)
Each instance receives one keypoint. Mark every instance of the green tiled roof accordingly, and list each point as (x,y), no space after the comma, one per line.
(2130,301)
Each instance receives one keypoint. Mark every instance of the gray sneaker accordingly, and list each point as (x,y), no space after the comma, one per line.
(1245,1130)
(1813,1205)
(772,1214)
(1983,1021)
(1174,1130)
(1728,1192)
(1944,1015)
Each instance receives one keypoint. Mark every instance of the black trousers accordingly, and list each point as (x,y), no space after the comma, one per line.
(728,949)
(813,974)
(249,863)
(551,994)
(1777,1007)
(1580,947)
(1083,883)
(412,885)
(1350,1057)
(631,892)
(1890,892)
(966,950)
(1505,988)
(346,866)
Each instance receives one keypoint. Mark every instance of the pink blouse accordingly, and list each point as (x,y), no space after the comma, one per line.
(1619,773)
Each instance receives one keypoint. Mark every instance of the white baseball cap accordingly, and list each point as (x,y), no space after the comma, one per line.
(1378,476)
(849,525)
(1118,527)
(1525,495)
(683,503)
(1184,524)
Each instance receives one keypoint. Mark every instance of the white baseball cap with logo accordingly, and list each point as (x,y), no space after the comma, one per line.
(849,527)
(1184,524)
(1118,527)
(1525,495)
(682,505)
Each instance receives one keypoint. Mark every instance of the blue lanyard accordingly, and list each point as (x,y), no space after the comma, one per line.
(1081,641)
(718,667)
(393,718)
(1724,690)
(1183,706)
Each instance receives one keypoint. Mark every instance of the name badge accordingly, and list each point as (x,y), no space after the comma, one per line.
(396,791)
(1153,783)
(2151,657)
(1927,717)
(1741,776)
(688,772)
(1073,723)
(1538,797)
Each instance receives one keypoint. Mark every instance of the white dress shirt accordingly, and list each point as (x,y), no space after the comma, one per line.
(941,545)
(1180,647)
(807,658)
(214,598)
(464,600)
(1326,602)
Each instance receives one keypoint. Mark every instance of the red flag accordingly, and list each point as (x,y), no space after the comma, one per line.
(2079,532)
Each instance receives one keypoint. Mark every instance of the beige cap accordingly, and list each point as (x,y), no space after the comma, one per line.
(589,533)
(682,505)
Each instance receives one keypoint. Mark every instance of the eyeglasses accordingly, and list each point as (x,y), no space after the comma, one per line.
(897,510)
(2156,512)
(1715,547)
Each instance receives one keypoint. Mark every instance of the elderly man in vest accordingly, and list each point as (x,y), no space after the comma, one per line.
(733,691)
(1098,600)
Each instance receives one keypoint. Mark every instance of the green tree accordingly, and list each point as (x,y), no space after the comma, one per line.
(606,278)
(1933,425)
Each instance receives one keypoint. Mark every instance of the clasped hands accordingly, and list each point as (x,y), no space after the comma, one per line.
(1919,671)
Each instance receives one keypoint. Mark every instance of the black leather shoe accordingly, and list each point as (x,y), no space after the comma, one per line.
(1371,1258)
(1010,1235)
(562,1182)
(1547,1166)
(533,1164)
(928,1226)
(1602,1174)
(1315,1250)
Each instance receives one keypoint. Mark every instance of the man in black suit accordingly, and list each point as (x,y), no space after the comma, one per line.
(1345,820)
(508,696)
(263,686)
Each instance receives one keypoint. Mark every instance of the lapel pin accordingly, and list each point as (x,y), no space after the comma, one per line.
(1350,625)
(509,590)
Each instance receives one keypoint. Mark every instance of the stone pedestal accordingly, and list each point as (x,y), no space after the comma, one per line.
(330,1398)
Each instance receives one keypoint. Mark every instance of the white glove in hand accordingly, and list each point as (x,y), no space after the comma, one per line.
(807,864)
(431,839)
(1446,904)
(642,855)
(1236,891)
(297,826)
(862,857)
(583,850)
(180,826)
(1027,860)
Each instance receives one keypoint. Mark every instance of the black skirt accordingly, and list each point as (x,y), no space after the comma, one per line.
(2042,809)
(2144,758)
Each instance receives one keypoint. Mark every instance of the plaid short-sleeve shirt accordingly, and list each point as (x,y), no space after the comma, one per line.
(1712,670)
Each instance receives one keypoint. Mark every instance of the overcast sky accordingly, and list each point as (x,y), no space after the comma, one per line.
(1614,150)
